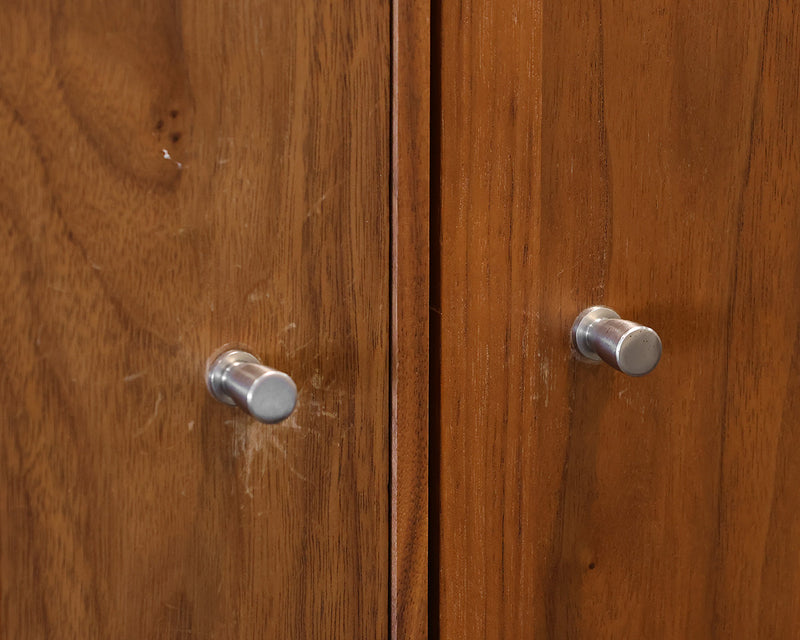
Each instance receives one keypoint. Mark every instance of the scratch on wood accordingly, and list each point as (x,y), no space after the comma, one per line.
(300,348)
(314,207)
(544,370)
(317,381)
(150,420)
(255,296)
(252,441)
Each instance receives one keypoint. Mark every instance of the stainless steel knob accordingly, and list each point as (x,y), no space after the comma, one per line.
(238,378)
(600,334)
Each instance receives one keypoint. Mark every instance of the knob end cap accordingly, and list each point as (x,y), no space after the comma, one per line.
(272,397)
(639,351)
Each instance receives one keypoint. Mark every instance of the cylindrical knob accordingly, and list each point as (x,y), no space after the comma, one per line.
(600,334)
(238,378)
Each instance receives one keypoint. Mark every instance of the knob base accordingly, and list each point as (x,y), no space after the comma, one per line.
(581,329)
(215,375)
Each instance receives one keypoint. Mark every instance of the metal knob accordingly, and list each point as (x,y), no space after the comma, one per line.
(600,334)
(238,378)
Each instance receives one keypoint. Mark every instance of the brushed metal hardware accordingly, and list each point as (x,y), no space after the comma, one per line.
(238,378)
(600,334)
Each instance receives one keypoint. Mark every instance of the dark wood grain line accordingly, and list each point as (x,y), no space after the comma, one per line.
(435,329)
(606,196)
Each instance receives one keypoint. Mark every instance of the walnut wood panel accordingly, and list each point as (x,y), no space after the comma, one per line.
(410,311)
(489,210)
(175,177)
(645,156)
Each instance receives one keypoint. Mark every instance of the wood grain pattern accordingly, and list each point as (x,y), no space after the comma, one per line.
(410,310)
(175,177)
(646,157)
(490,94)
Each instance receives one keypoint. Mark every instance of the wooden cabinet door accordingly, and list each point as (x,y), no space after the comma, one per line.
(175,177)
(646,156)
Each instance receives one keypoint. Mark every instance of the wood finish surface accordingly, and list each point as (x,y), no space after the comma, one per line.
(411,104)
(644,156)
(175,177)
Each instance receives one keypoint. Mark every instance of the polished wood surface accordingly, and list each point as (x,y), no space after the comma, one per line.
(645,157)
(489,217)
(411,104)
(175,177)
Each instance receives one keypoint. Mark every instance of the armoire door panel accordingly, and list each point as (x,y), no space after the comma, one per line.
(644,158)
(177,177)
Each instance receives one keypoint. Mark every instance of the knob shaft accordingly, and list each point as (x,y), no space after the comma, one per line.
(600,334)
(238,378)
